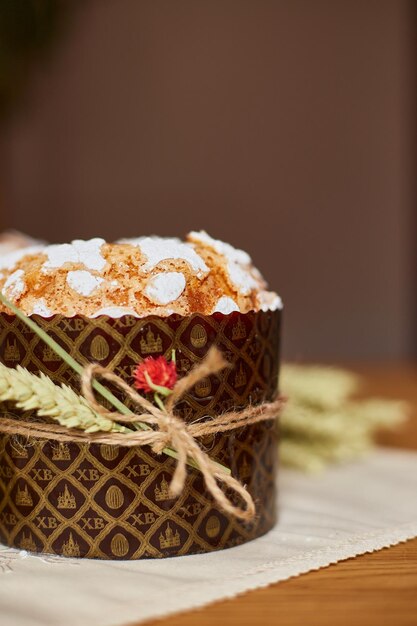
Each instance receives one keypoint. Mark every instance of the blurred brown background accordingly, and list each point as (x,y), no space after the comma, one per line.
(284,127)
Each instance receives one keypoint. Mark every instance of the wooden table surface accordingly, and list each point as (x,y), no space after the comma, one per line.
(373,589)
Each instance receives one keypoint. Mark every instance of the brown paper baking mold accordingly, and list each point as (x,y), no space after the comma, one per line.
(100,501)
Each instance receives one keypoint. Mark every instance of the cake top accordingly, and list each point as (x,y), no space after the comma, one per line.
(139,276)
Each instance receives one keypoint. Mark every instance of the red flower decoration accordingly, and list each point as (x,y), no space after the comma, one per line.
(158,371)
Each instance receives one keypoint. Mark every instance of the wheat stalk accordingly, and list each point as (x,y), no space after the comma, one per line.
(321,422)
(58,402)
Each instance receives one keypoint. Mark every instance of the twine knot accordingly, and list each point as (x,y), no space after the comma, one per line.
(165,428)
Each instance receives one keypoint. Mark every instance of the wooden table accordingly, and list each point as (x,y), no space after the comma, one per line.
(373,589)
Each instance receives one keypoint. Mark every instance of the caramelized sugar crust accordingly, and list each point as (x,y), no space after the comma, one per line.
(144,276)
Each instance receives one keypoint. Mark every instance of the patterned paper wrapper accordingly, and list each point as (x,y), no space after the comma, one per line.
(106,502)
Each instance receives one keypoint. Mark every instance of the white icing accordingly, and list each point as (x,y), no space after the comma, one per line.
(241,278)
(269,301)
(258,277)
(8,261)
(40,308)
(157,249)
(83,252)
(225,305)
(14,285)
(83,282)
(115,311)
(228,251)
(238,262)
(166,287)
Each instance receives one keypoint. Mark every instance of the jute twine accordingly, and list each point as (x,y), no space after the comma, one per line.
(165,429)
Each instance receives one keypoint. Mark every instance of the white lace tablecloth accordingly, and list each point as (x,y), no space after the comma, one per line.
(349,510)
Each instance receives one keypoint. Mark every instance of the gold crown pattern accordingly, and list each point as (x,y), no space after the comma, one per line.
(240,378)
(19,451)
(162,492)
(66,500)
(23,497)
(107,503)
(169,539)
(71,548)
(50,356)
(11,352)
(27,543)
(151,344)
(60,452)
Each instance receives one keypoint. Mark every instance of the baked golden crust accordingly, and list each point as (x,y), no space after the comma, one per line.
(144,276)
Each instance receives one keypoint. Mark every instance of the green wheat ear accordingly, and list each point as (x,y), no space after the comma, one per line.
(58,402)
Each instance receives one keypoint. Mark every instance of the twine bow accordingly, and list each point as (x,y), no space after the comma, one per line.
(165,428)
